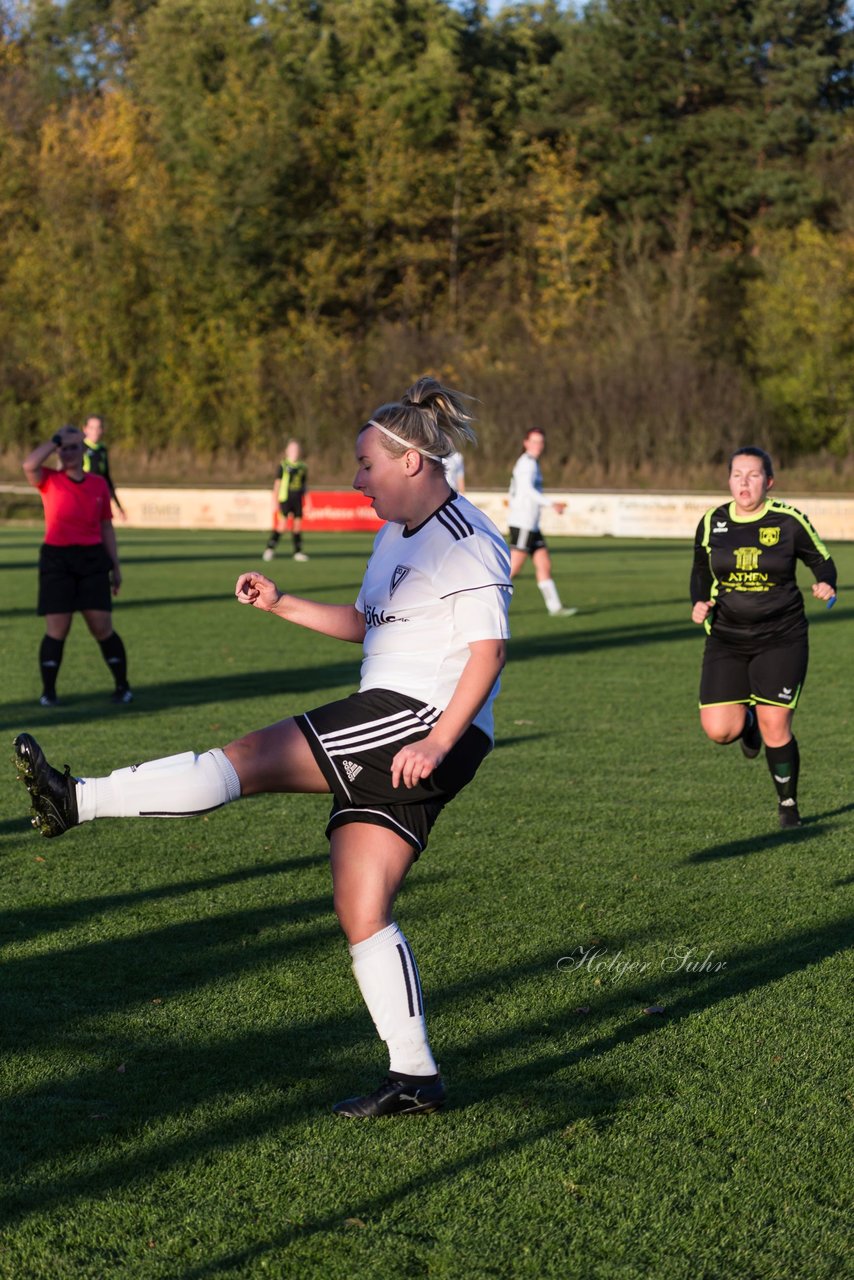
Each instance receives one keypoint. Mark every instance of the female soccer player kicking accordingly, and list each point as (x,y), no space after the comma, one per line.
(432,618)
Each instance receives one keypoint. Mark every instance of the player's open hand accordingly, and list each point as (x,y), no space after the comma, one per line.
(701,610)
(254,588)
(417,761)
(823,591)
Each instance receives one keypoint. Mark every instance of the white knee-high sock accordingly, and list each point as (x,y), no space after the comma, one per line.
(174,787)
(388,979)
(550,595)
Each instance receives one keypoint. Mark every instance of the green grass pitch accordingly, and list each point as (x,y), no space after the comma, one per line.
(178,1011)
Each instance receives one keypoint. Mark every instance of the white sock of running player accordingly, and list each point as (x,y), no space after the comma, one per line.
(387,975)
(550,595)
(174,787)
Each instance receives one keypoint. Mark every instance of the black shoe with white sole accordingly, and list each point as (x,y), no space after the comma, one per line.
(394,1098)
(788,814)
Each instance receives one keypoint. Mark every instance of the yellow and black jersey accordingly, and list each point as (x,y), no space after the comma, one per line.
(96,460)
(293,477)
(746,565)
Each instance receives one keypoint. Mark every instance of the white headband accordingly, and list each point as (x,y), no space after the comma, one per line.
(407,444)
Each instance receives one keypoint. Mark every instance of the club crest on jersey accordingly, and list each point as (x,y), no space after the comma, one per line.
(397,577)
(769,537)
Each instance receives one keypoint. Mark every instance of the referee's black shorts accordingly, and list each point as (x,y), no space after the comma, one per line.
(772,676)
(354,742)
(74,578)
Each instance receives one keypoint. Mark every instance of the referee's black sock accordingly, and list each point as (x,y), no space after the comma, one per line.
(50,657)
(273,540)
(116,659)
(297,540)
(784,764)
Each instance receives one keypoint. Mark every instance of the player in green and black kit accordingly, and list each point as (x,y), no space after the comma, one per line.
(95,458)
(289,488)
(744,591)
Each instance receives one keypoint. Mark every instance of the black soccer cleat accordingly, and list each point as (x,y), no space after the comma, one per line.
(751,738)
(122,696)
(788,814)
(52,793)
(394,1098)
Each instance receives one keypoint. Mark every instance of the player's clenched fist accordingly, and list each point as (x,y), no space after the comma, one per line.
(701,610)
(254,588)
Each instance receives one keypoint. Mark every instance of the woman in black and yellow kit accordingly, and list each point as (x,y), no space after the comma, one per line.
(744,591)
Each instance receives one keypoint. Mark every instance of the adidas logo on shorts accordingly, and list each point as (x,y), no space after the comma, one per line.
(352,770)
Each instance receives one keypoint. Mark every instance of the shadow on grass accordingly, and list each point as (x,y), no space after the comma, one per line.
(34,922)
(812,827)
(179,1078)
(171,695)
(225,597)
(174,694)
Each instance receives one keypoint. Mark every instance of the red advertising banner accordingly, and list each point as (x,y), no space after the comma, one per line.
(334,511)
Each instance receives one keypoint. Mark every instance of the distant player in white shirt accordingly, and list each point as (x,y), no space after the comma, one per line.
(432,618)
(455,471)
(526,503)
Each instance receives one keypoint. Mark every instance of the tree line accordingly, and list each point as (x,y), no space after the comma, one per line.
(223,222)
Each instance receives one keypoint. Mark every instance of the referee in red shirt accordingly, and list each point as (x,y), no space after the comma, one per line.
(79,560)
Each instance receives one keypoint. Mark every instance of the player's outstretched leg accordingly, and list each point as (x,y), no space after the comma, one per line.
(277,758)
(53,794)
(175,787)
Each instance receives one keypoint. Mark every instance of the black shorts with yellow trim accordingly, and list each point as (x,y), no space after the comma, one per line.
(354,742)
(74,578)
(773,676)
(527,540)
(292,506)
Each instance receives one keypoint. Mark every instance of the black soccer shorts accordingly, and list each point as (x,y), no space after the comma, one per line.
(529,540)
(772,676)
(292,506)
(354,742)
(74,578)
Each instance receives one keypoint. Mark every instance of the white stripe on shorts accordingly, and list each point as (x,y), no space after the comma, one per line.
(378,733)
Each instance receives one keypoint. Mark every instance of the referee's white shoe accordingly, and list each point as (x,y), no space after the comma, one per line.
(562,612)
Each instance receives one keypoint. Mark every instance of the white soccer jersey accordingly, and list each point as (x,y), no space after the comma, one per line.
(526,494)
(427,594)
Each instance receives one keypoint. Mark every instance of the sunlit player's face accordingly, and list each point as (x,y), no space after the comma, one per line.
(380,477)
(748,483)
